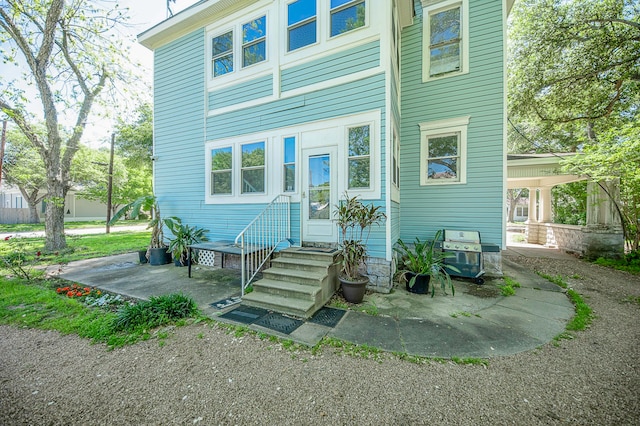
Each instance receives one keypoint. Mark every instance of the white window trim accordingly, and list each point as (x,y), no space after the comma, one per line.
(239,71)
(440,127)
(296,163)
(349,157)
(345,6)
(274,155)
(434,6)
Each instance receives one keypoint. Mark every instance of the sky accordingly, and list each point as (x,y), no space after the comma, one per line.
(144,14)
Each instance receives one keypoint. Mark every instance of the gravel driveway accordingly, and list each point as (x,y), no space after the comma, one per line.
(202,375)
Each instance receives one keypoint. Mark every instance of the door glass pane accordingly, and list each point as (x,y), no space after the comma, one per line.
(319,187)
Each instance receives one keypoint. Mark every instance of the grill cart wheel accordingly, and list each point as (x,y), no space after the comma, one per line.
(478,281)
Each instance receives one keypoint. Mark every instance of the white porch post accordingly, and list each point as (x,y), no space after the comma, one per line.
(545,204)
(532,218)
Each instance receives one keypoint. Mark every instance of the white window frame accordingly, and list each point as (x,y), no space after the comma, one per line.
(315,18)
(233,53)
(347,5)
(445,127)
(242,169)
(235,25)
(295,163)
(431,7)
(359,157)
(211,172)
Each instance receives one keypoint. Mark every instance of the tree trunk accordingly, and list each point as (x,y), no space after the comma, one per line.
(34,217)
(54,218)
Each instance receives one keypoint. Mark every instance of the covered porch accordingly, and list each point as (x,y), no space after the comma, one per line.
(602,234)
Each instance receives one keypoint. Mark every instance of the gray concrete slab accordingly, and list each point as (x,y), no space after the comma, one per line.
(363,329)
(477,322)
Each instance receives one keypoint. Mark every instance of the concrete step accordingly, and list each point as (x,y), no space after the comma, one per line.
(296,307)
(295,263)
(307,253)
(287,288)
(295,276)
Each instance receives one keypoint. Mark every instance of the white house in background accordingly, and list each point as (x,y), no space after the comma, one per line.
(12,203)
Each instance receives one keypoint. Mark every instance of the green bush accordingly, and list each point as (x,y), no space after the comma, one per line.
(155,312)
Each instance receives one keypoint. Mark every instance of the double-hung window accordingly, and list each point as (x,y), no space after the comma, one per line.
(222,54)
(443,150)
(359,157)
(301,24)
(445,38)
(253,168)
(254,41)
(346,15)
(221,171)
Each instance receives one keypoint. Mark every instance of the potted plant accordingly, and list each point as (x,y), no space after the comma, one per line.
(157,250)
(421,262)
(355,221)
(183,237)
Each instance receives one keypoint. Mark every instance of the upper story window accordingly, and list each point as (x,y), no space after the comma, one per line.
(242,46)
(346,15)
(254,41)
(359,157)
(301,24)
(443,151)
(222,54)
(445,38)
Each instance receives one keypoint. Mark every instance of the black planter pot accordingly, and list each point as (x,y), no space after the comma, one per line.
(142,256)
(159,256)
(421,285)
(353,291)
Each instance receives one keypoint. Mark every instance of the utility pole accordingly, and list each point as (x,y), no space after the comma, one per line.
(4,140)
(110,183)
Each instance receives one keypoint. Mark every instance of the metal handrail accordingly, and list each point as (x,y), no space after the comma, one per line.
(261,237)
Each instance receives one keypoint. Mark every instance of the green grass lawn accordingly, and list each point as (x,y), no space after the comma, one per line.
(79,247)
(32,227)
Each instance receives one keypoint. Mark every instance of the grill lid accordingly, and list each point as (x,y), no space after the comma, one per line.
(462,236)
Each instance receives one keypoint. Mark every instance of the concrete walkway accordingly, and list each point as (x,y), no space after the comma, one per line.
(477,322)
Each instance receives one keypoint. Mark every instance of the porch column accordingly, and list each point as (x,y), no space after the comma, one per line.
(602,237)
(545,204)
(532,216)
(531,233)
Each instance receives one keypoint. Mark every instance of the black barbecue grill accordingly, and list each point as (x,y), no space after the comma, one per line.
(468,253)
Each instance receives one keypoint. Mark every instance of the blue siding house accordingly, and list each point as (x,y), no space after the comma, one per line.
(401,102)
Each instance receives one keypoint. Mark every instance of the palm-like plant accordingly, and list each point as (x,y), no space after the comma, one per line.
(183,237)
(137,208)
(424,259)
(355,221)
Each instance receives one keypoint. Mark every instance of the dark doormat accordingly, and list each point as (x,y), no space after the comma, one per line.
(328,316)
(279,322)
(225,303)
(245,314)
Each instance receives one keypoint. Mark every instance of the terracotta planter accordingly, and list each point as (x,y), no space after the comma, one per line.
(353,291)
(421,286)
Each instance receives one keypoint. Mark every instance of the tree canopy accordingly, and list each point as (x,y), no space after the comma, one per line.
(574,69)
(70,57)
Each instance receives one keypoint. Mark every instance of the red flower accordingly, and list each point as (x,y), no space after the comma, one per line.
(70,293)
(78,293)
(87,289)
(38,254)
(58,290)
(7,237)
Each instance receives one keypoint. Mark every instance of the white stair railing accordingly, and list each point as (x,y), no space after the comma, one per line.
(262,236)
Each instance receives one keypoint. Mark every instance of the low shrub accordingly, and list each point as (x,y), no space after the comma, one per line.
(155,312)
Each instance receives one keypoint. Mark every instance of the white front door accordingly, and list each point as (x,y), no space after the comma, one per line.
(319,194)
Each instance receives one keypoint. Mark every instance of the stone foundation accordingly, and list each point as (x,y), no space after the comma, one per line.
(590,241)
